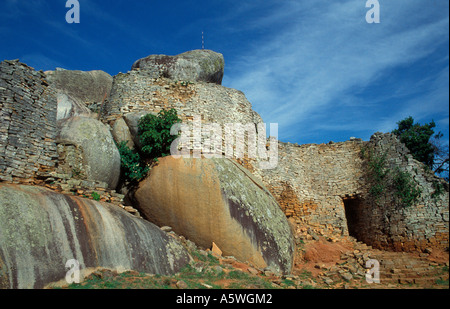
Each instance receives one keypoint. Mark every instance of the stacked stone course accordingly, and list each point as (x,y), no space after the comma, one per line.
(311,182)
(323,188)
(398,227)
(316,185)
(27,122)
(136,92)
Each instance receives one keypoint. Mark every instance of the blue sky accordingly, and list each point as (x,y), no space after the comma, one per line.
(315,67)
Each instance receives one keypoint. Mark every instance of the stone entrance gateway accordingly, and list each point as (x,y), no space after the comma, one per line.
(356,217)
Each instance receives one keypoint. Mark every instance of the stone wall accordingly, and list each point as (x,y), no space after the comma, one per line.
(325,190)
(27,122)
(312,181)
(387,221)
(136,92)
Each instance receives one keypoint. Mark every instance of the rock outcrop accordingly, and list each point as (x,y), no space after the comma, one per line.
(121,133)
(79,92)
(101,158)
(41,230)
(69,107)
(88,87)
(194,66)
(216,200)
(49,137)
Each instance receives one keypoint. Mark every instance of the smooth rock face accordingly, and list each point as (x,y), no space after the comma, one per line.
(194,66)
(76,90)
(132,121)
(87,87)
(121,133)
(101,156)
(41,230)
(216,200)
(69,107)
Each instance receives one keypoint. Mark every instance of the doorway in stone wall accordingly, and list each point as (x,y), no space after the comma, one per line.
(355,217)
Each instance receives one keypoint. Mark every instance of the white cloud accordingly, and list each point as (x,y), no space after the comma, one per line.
(326,51)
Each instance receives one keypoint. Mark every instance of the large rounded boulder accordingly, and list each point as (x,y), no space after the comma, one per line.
(101,158)
(195,66)
(41,231)
(87,87)
(217,200)
(79,92)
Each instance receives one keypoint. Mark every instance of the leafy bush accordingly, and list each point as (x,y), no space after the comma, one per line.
(133,167)
(155,138)
(96,196)
(405,188)
(154,133)
(376,171)
(384,180)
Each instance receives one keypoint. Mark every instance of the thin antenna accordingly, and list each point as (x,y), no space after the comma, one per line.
(203,40)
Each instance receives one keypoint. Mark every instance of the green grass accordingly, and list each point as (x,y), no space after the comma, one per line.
(442,282)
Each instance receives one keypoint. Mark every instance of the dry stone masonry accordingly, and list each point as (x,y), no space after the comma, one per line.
(135,92)
(27,122)
(324,190)
(311,183)
(388,223)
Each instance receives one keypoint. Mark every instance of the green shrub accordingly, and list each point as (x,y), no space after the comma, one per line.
(377,172)
(154,133)
(96,196)
(384,180)
(133,167)
(438,190)
(155,138)
(417,138)
(405,188)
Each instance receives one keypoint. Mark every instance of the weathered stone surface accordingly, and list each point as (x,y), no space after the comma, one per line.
(41,230)
(27,122)
(412,227)
(101,156)
(324,189)
(216,200)
(121,133)
(135,94)
(69,107)
(132,122)
(79,92)
(194,66)
(87,87)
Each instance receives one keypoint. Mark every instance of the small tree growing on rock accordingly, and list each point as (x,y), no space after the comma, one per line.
(154,133)
(155,138)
